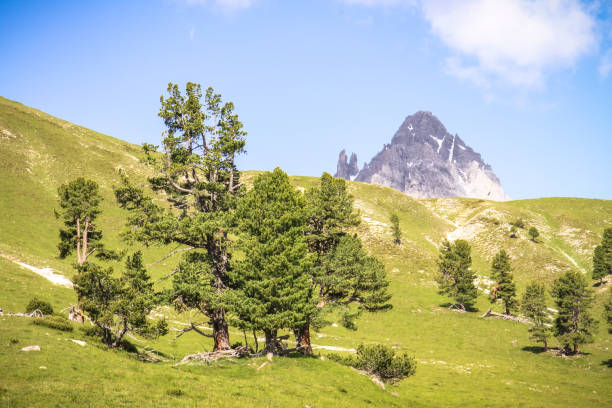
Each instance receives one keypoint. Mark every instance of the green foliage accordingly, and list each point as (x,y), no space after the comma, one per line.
(395,229)
(600,268)
(518,223)
(118,305)
(54,322)
(348,274)
(80,206)
(574,325)
(202,184)
(602,256)
(342,272)
(329,213)
(380,360)
(175,392)
(505,289)
(533,233)
(533,305)
(273,283)
(513,232)
(37,304)
(608,313)
(455,278)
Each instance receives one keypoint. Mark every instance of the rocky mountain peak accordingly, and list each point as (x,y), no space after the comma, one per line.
(424,160)
(346,169)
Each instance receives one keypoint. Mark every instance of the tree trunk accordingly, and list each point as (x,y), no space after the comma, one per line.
(575,348)
(220,331)
(120,335)
(256,342)
(545,345)
(270,340)
(78,248)
(85,238)
(302,339)
(220,261)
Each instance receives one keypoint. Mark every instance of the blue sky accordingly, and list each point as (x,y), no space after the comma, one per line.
(527,84)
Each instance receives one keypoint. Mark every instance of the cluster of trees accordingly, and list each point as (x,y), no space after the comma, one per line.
(520,224)
(265,260)
(573,324)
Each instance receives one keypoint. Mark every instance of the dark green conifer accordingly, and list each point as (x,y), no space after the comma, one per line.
(574,325)
(533,305)
(456,278)
(505,288)
(273,285)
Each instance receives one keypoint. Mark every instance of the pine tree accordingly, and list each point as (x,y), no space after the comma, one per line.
(342,274)
(600,269)
(395,229)
(574,325)
(608,313)
(199,176)
(533,233)
(533,305)
(118,305)
(456,278)
(602,257)
(505,289)
(273,282)
(80,206)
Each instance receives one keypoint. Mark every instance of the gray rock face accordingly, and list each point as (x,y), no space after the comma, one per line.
(424,160)
(346,170)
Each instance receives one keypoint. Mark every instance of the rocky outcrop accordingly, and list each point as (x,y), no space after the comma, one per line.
(346,169)
(424,160)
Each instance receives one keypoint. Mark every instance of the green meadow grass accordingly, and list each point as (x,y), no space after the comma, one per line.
(463,360)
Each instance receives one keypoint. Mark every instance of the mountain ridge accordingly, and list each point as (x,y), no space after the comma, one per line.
(424,160)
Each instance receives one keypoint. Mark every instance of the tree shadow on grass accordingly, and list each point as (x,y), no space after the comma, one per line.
(534,349)
(455,308)
(607,363)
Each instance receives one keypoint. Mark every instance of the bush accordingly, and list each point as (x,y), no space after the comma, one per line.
(37,304)
(379,360)
(175,392)
(54,322)
(519,223)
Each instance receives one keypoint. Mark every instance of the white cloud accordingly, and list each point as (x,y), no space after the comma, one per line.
(515,41)
(227,5)
(605,65)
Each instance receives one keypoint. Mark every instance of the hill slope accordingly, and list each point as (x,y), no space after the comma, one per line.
(462,359)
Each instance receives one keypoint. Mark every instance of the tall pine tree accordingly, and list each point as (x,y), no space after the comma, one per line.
(533,305)
(456,278)
(505,288)
(80,206)
(574,325)
(608,313)
(273,285)
(198,173)
(395,229)
(602,257)
(343,274)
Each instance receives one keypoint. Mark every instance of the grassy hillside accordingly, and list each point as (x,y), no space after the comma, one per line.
(462,359)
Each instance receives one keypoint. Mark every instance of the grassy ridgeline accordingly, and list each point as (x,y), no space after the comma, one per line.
(462,359)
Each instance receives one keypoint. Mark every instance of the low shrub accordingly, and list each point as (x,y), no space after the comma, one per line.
(381,361)
(175,392)
(54,322)
(37,304)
